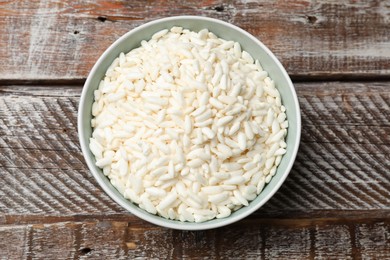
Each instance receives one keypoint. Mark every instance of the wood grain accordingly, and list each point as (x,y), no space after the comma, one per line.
(61,40)
(341,170)
(263,239)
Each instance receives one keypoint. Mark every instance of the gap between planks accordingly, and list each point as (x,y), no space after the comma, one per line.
(297,79)
(320,217)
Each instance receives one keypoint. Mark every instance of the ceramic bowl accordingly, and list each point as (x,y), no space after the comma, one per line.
(223,30)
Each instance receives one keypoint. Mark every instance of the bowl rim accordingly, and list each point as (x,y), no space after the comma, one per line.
(160,221)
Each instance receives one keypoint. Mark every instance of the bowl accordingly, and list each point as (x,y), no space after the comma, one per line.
(223,30)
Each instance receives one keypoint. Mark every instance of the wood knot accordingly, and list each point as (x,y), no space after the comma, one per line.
(85,251)
(131,245)
(311,19)
(102,18)
(219,8)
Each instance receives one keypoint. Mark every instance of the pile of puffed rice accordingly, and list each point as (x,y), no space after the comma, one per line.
(188,126)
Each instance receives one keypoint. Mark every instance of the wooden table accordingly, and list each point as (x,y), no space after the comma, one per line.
(335,203)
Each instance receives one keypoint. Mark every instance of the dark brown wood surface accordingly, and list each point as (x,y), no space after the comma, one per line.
(335,204)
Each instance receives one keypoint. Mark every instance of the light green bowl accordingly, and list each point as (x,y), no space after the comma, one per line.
(223,30)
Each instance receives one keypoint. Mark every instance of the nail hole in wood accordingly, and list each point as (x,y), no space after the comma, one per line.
(85,250)
(76,32)
(102,18)
(219,8)
(311,19)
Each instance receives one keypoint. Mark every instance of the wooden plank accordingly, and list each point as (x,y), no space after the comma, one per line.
(263,238)
(342,166)
(14,242)
(61,40)
(374,240)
